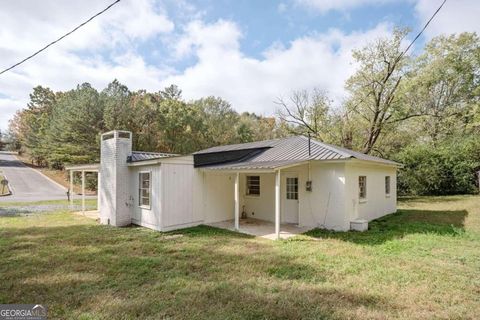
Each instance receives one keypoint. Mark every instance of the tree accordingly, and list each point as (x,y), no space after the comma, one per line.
(118,112)
(444,85)
(76,125)
(374,104)
(307,113)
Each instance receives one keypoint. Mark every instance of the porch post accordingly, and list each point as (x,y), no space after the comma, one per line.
(277,204)
(83,191)
(71,188)
(237,201)
(98,190)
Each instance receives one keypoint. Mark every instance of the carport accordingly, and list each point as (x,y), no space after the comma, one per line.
(84,169)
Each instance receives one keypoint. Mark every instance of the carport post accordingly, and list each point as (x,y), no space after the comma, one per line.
(237,202)
(83,191)
(277,204)
(71,188)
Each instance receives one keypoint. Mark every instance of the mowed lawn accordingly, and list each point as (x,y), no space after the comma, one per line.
(422,262)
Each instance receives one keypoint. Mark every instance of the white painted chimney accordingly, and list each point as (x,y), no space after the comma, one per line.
(116,146)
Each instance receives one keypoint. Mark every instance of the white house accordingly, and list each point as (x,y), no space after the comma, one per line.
(289,181)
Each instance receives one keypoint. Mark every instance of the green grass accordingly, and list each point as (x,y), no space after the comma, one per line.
(422,262)
(76,201)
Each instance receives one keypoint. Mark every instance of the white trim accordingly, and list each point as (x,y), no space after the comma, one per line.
(142,206)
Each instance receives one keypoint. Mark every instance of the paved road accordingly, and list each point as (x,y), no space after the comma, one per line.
(28,184)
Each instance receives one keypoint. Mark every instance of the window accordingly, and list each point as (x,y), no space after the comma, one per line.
(362,187)
(387,185)
(253,185)
(144,189)
(292,188)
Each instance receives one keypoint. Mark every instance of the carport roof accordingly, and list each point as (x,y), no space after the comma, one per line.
(271,154)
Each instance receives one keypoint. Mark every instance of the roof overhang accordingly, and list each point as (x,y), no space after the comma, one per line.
(94,167)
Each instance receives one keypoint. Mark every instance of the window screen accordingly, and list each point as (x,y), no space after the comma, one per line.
(253,185)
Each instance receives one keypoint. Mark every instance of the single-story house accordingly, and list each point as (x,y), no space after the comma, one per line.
(289,181)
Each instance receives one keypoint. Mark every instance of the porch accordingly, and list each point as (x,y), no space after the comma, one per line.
(263,202)
(261,228)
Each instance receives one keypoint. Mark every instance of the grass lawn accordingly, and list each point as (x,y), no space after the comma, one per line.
(422,262)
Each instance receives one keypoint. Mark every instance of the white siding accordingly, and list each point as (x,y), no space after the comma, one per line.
(150,218)
(177,190)
(377,203)
(218,198)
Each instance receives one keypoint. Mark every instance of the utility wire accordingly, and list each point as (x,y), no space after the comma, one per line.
(421,31)
(406,50)
(54,42)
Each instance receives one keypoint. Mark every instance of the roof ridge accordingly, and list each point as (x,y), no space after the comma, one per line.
(331,147)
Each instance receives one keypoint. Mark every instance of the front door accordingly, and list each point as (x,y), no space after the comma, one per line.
(290,198)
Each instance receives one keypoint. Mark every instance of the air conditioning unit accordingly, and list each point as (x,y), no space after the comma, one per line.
(359,225)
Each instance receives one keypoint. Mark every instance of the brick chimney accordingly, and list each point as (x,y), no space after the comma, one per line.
(116,146)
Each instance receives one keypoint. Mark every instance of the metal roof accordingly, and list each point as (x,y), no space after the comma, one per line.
(142,156)
(281,152)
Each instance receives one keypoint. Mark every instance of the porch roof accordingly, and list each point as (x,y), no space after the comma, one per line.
(254,165)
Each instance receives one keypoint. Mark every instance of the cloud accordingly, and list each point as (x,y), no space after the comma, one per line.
(99,52)
(455,17)
(322,60)
(323,6)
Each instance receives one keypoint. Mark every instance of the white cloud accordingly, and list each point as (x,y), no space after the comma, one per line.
(455,16)
(322,60)
(324,6)
(102,50)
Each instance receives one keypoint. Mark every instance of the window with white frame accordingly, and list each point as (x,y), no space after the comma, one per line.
(362,187)
(144,184)
(253,185)
(387,185)
(292,188)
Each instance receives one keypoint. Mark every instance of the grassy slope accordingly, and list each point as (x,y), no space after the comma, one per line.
(423,262)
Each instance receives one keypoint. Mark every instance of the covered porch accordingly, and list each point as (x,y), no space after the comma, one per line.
(83,170)
(261,228)
(264,200)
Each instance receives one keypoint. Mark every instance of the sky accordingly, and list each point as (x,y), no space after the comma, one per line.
(250,53)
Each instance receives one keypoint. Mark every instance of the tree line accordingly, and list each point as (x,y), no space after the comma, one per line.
(421,110)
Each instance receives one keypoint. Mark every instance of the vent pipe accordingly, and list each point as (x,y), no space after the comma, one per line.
(309,146)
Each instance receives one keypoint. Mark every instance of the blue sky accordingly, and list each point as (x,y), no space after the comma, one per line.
(247,52)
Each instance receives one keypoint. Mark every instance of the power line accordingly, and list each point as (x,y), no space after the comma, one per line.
(406,50)
(65,35)
(421,31)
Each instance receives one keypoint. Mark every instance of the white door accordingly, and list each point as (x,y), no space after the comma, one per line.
(290,198)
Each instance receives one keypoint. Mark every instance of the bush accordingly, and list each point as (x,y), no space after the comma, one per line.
(448,168)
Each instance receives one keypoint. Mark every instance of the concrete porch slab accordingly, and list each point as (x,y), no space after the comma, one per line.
(261,228)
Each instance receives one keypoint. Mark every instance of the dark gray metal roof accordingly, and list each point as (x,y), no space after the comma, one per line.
(286,151)
(142,156)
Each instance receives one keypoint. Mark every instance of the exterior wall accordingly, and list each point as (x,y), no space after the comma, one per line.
(180,182)
(263,206)
(114,190)
(218,196)
(377,203)
(147,217)
(324,206)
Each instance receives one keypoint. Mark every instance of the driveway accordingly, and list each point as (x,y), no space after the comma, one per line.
(28,184)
